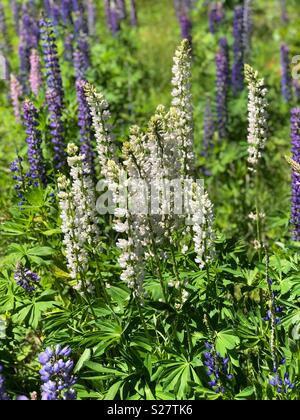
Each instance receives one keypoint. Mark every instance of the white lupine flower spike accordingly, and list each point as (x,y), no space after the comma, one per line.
(257,117)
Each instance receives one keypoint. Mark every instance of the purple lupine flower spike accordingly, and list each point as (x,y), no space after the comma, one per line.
(37,171)
(91,12)
(133,14)
(35,79)
(16,14)
(16,93)
(286,74)
(23,60)
(68,47)
(47,8)
(247,33)
(29,37)
(121,7)
(238,51)
(284,14)
(209,130)
(18,178)
(3,27)
(81,57)
(80,21)
(186,26)
(217,368)
(26,278)
(56,374)
(112,17)
(295,138)
(85,126)
(215,16)
(3,393)
(222,86)
(54,93)
(66,11)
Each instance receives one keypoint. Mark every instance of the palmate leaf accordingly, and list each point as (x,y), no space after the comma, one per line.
(226,340)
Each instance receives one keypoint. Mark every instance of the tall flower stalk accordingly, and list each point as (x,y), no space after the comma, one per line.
(54,92)
(295,187)
(99,109)
(78,215)
(133,13)
(85,126)
(209,129)
(35,78)
(238,50)
(222,87)
(182,103)
(215,16)
(16,93)
(257,116)
(248,27)
(286,73)
(37,171)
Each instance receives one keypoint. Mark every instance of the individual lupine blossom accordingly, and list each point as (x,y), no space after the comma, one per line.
(54,92)
(247,20)
(3,394)
(202,218)
(16,93)
(37,172)
(81,57)
(295,185)
(209,130)
(99,109)
(78,214)
(286,74)
(238,50)
(182,102)
(35,78)
(133,13)
(26,278)
(57,374)
(215,16)
(18,177)
(222,86)
(85,126)
(257,116)
(217,369)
